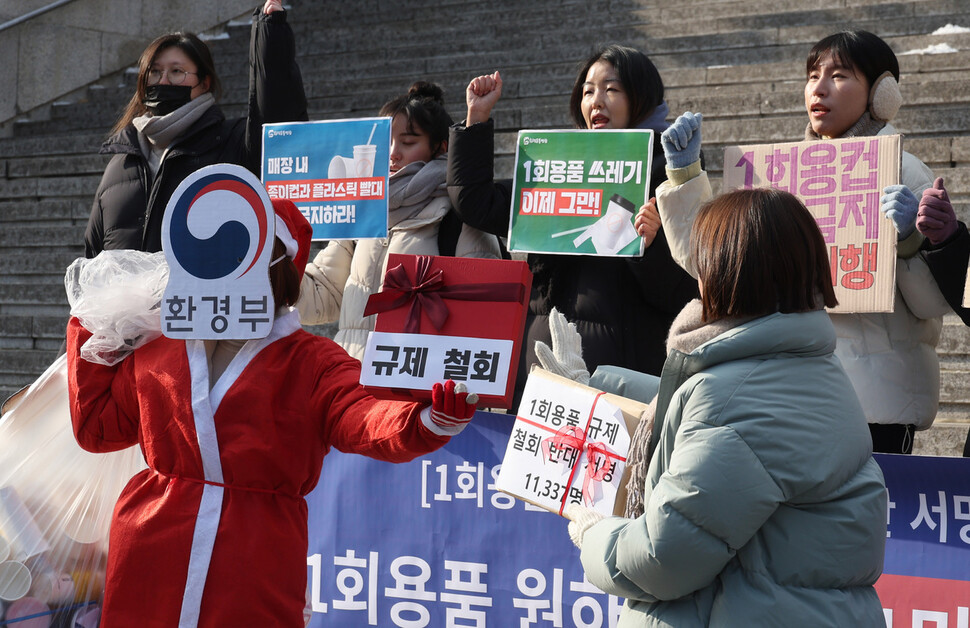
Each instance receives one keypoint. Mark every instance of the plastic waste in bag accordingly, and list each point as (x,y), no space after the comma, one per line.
(56,502)
(117,297)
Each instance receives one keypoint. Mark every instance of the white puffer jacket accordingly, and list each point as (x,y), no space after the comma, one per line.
(345,273)
(891,356)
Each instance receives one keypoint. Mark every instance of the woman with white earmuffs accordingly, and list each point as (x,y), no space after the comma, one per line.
(851,90)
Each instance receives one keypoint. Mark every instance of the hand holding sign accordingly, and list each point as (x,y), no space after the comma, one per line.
(581,519)
(647,222)
(899,204)
(452,406)
(481,95)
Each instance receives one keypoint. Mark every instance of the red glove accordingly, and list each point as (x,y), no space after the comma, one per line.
(935,218)
(451,405)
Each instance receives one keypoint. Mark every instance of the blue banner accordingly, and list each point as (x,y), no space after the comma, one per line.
(432,543)
(335,171)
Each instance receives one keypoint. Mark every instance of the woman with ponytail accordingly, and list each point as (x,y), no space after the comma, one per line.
(420,221)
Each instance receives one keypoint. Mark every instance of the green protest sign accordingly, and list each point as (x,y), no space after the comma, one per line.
(577,192)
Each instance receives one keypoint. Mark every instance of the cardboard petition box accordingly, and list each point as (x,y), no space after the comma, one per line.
(561,425)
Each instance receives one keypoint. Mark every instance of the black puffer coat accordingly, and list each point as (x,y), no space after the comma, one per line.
(128,206)
(622,307)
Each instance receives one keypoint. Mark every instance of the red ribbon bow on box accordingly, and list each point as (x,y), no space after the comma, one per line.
(428,291)
(575,438)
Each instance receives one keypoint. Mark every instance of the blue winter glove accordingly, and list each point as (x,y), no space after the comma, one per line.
(682,140)
(899,204)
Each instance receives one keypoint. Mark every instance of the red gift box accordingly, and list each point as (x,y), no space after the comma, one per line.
(455,297)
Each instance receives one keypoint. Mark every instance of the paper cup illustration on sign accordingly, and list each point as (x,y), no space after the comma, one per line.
(341,168)
(364,159)
(358,167)
(614,230)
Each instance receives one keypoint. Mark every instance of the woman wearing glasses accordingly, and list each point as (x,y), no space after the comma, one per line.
(172,127)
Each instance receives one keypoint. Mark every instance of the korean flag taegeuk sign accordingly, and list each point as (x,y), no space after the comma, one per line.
(217,235)
(335,171)
(578,192)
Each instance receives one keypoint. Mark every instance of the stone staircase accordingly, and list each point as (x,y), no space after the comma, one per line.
(739,62)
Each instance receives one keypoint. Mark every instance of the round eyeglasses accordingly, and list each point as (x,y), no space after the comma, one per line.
(176,76)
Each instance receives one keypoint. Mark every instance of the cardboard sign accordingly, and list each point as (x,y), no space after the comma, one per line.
(335,171)
(569,444)
(217,235)
(840,182)
(578,192)
(442,318)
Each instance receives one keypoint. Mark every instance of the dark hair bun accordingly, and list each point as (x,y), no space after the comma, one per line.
(424,89)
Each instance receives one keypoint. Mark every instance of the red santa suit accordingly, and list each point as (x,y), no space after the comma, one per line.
(214,532)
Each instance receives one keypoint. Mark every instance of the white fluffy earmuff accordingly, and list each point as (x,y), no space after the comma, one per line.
(885,98)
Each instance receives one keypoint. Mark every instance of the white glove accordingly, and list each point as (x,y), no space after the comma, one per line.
(566,355)
(581,519)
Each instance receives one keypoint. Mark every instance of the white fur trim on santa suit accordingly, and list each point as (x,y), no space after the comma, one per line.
(205,403)
(283,233)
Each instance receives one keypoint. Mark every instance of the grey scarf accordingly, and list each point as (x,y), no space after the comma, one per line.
(687,332)
(412,186)
(156,133)
(865,126)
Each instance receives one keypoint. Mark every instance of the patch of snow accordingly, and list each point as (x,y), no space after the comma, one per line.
(213,36)
(951,29)
(935,49)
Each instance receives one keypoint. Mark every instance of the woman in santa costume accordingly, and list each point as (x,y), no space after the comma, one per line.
(214,532)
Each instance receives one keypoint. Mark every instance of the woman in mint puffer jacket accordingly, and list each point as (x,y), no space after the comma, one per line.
(762,504)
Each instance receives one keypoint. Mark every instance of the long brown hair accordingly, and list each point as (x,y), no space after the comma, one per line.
(284,277)
(193,47)
(758,252)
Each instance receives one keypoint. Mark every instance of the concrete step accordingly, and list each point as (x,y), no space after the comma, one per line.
(44,187)
(69,144)
(944,438)
(46,327)
(19,367)
(72,209)
(39,266)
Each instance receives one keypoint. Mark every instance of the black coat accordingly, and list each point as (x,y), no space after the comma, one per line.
(128,206)
(622,307)
(948,264)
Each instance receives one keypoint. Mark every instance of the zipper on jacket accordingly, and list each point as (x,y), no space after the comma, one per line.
(153,193)
(143,173)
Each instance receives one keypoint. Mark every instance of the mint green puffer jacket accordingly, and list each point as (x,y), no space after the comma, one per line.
(763,504)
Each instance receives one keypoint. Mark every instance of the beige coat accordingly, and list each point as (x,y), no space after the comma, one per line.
(890,357)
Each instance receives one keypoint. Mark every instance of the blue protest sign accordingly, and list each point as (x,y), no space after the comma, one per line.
(335,171)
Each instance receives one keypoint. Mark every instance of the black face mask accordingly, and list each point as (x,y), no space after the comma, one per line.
(164,99)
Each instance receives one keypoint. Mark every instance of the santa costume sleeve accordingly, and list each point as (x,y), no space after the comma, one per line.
(104,409)
(356,422)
